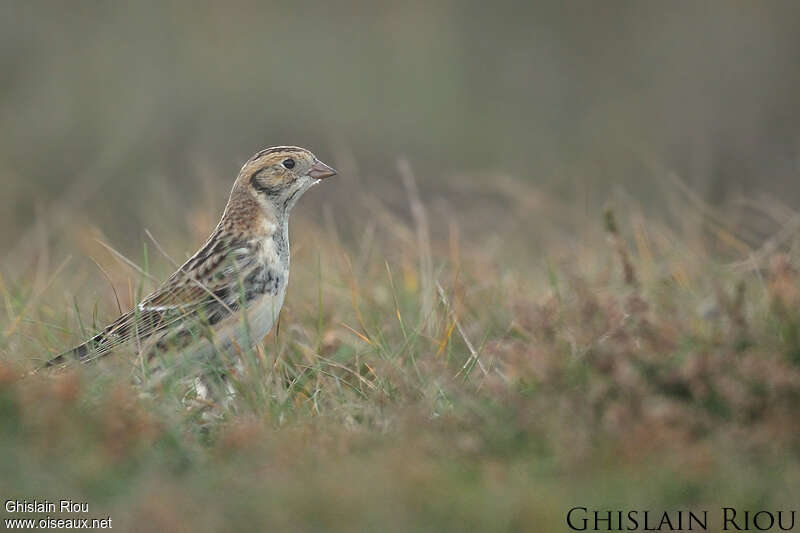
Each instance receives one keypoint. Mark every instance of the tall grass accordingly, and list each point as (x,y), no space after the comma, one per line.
(431,373)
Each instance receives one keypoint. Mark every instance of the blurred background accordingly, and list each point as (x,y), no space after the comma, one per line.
(115,111)
(651,362)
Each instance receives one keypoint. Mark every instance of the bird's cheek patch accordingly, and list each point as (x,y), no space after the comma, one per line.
(265,183)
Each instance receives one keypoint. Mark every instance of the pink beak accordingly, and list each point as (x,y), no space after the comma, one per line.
(320,170)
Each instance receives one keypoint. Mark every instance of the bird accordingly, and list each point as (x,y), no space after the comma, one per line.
(227,296)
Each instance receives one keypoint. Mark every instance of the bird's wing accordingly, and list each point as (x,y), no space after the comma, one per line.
(207,288)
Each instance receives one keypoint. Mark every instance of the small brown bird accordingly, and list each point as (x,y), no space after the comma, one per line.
(227,296)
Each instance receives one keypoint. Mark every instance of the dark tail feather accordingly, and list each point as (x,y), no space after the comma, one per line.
(98,346)
(78,353)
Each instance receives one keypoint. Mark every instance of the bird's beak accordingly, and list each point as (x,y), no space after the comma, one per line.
(320,170)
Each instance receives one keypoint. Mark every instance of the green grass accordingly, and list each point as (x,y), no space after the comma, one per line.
(484,381)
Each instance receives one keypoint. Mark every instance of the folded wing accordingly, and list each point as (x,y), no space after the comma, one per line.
(209,287)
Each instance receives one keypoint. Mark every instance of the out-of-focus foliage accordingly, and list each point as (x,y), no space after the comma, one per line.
(495,391)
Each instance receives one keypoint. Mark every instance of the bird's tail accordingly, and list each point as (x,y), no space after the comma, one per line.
(79,353)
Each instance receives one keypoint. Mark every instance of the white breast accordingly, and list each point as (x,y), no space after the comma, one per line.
(239,332)
(263,312)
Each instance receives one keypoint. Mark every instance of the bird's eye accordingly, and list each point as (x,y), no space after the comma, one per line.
(288,163)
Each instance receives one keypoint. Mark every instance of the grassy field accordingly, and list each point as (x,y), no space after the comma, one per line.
(430,373)
(559,266)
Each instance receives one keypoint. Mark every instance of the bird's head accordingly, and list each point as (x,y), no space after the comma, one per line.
(278,176)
